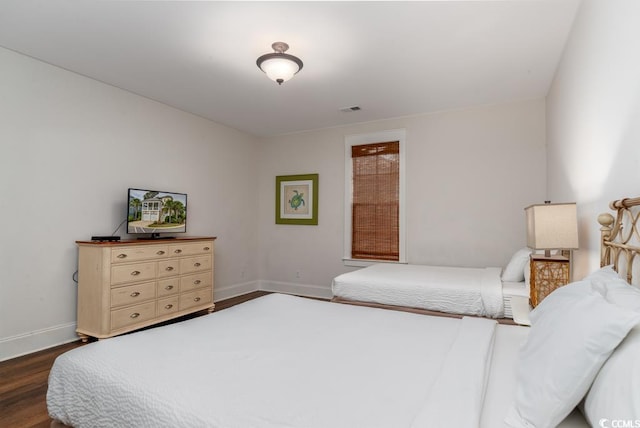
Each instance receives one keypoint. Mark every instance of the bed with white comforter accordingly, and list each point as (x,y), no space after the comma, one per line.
(485,291)
(455,290)
(284,361)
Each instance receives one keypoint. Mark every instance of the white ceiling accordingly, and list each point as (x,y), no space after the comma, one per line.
(390,58)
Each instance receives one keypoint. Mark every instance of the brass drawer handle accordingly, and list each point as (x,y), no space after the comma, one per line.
(196,264)
(169,287)
(135,294)
(197,299)
(178,251)
(134,315)
(122,256)
(160,253)
(135,273)
(169,306)
(169,268)
(197,281)
(206,248)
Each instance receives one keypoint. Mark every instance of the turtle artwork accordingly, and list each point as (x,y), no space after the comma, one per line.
(296,200)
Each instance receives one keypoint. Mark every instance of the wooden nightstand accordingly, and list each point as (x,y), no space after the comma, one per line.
(547,274)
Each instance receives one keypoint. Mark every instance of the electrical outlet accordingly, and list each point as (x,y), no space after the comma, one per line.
(297,274)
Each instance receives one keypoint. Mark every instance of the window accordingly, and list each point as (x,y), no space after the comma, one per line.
(375,201)
(374,208)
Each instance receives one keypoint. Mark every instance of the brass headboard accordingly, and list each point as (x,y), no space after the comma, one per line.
(620,237)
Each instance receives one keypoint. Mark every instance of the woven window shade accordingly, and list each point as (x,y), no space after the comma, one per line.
(376,190)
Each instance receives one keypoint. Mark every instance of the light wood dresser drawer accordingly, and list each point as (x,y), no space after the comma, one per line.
(168,286)
(121,274)
(169,267)
(189,249)
(195,264)
(196,298)
(168,305)
(133,315)
(132,294)
(198,280)
(127,285)
(133,254)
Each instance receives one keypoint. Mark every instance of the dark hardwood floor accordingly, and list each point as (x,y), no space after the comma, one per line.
(23,380)
(24,388)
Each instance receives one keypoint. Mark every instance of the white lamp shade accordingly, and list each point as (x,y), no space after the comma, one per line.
(552,227)
(279,69)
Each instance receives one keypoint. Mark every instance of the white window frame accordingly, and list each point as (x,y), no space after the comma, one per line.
(370,138)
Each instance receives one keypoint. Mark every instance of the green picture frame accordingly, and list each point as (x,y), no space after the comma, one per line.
(297,199)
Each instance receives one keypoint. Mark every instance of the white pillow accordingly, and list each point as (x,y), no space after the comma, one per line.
(615,288)
(606,273)
(615,392)
(564,297)
(574,330)
(514,272)
(619,292)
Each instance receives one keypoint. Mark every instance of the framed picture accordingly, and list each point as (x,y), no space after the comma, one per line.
(297,199)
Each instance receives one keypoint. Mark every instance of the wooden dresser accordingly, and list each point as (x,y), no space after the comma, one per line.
(127,285)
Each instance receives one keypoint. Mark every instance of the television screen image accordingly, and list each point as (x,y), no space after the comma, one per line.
(155,212)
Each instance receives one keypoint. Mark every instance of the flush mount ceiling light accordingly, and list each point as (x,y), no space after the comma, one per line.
(278,65)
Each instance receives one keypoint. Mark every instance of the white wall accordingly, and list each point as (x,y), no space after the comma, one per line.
(469,176)
(593,118)
(70,148)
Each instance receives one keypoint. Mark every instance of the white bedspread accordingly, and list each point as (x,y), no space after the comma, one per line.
(509,290)
(456,397)
(470,291)
(277,361)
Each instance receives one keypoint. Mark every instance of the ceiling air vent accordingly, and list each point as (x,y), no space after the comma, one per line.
(350,109)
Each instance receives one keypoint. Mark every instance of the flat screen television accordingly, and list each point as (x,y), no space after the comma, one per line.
(156,213)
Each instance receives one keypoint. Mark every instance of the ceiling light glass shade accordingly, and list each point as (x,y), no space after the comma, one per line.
(279,66)
(279,69)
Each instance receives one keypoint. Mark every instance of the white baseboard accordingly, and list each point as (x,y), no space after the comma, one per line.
(297,289)
(16,346)
(234,290)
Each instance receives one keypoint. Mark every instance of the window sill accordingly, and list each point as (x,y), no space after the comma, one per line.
(366,262)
